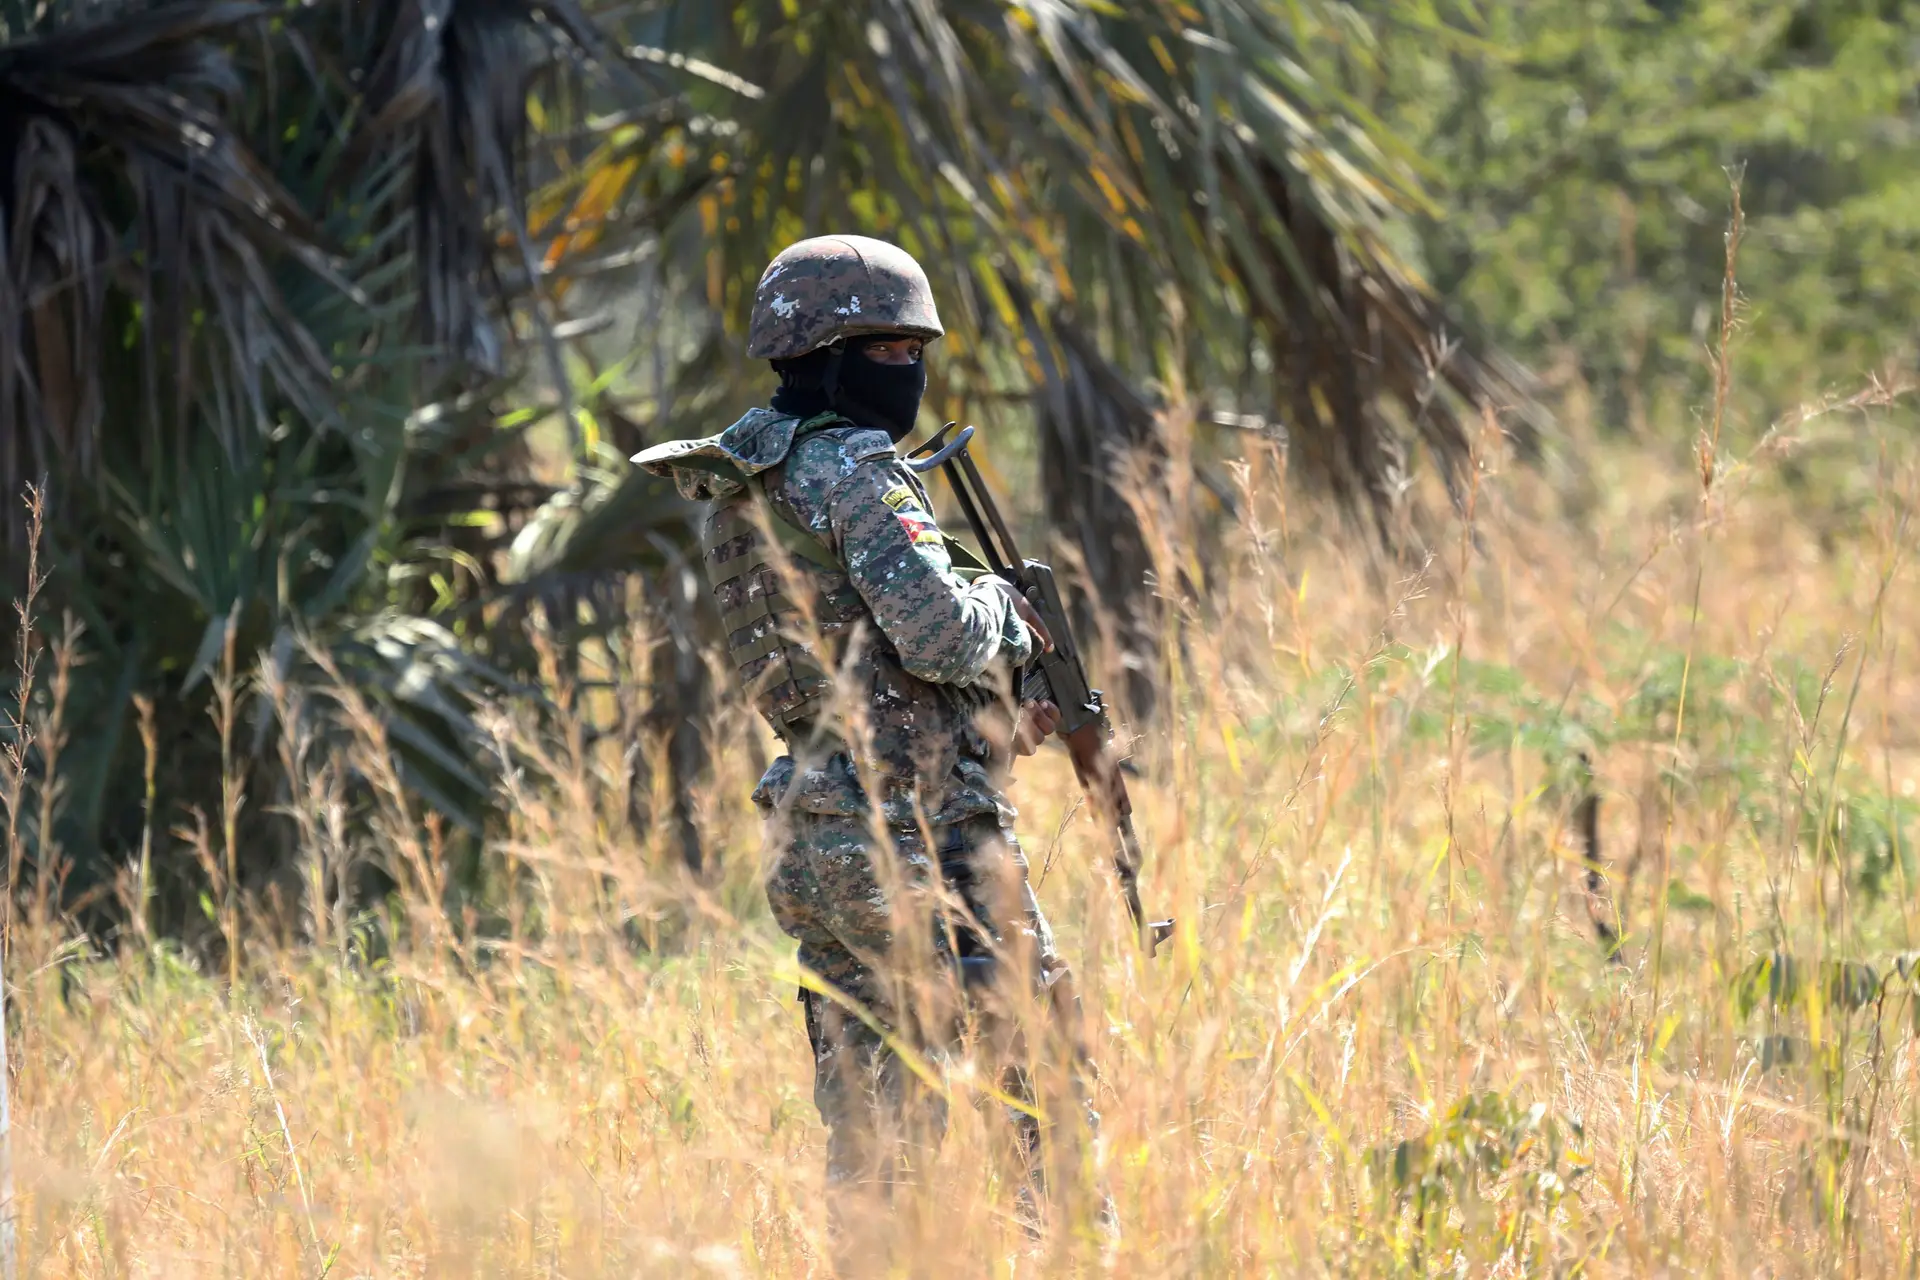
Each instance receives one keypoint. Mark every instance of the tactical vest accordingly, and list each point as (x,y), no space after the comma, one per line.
(758,562)
(767,632)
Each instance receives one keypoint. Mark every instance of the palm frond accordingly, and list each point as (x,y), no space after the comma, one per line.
(1094,431)
(1178,180)
(449,88)
(118,163)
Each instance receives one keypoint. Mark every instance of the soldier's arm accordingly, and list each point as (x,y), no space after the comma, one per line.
(946,631)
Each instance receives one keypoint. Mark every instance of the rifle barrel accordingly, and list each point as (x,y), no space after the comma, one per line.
(1092,754)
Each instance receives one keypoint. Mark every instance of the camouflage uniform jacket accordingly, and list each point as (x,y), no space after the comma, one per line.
(921,645)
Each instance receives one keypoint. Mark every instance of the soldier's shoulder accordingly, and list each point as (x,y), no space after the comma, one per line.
(718,465)
(821,459)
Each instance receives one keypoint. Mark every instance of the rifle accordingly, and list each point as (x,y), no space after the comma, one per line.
(1058,677)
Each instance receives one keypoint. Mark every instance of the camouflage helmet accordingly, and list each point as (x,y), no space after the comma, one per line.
(831,287)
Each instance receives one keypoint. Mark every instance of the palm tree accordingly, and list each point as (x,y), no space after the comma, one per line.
(271,273)
(251,339)
(1105,196)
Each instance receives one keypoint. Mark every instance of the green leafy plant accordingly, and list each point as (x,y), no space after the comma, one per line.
(1487,1155)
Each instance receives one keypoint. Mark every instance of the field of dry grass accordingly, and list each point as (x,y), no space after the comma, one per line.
(1388,1041)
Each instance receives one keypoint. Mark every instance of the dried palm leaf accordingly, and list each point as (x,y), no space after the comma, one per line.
(449,88)
(1177,178)
(117,163)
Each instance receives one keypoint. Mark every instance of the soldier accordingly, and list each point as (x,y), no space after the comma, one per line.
(885,672)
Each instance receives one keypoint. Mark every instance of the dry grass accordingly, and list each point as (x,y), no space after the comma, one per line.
(1359,803)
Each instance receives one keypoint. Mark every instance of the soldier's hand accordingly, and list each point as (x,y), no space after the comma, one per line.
(1038,720)
(1028,614)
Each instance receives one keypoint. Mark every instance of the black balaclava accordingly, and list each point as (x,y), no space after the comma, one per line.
(885,397)
(807,383)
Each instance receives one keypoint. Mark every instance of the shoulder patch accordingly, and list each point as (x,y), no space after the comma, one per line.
(897,497)
(921,531)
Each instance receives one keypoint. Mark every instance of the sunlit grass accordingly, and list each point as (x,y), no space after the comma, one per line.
(1387,1040)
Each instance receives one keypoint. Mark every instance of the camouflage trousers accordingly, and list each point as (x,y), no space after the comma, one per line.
(939,942)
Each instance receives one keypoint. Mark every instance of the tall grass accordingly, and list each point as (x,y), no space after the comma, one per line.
(1390,1038)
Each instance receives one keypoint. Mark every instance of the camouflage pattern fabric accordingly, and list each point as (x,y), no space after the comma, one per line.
(850,490)
(716,467)
(920,651)
(832,287)
(923,650)
(965,902)
(896,857)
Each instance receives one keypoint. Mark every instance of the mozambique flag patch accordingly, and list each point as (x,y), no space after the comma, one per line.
(921,531)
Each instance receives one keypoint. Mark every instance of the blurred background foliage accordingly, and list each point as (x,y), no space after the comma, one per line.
(328,326)
(1581,155)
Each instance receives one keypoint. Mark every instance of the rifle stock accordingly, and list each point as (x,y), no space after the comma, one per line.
(1059,677)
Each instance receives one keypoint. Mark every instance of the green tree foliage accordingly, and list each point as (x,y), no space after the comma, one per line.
(1582,152)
